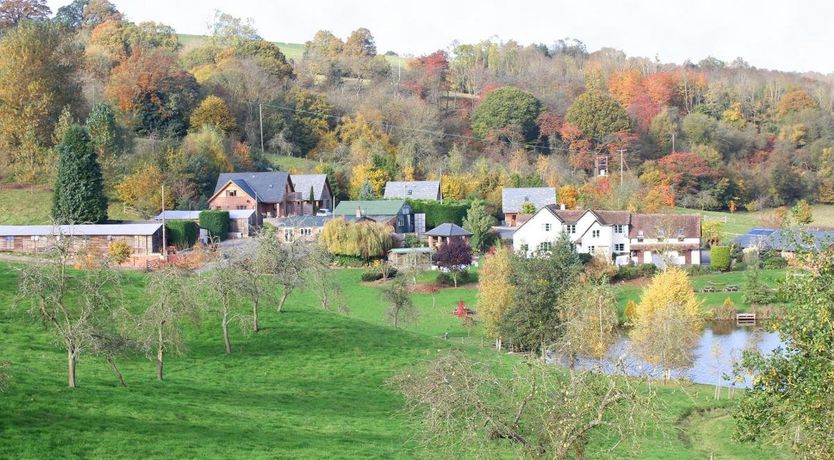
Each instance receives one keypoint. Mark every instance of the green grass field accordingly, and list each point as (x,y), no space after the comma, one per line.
(33,207)
(296,165)
(310,385)
(739,223)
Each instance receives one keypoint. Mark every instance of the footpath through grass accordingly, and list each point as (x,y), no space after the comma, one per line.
(310,385)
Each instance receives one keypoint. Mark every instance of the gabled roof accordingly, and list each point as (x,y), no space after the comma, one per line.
(80,230)
(303,182)
(673,225)
(269,187)
(513,198)
(417,190)
(568,216)
(448,229)
(369,208)
(571,216)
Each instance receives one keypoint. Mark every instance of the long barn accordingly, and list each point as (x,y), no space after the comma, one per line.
(143,239)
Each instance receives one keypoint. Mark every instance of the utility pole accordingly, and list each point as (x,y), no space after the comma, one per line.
(621,166)
(164,238)
(261,121)
(673,142)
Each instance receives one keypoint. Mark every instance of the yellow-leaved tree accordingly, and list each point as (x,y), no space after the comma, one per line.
(668,322)
(142,191)
(495,292)
(213,112)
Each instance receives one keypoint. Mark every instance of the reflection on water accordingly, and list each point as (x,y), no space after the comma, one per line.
(719,348)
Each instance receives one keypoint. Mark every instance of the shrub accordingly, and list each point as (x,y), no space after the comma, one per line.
(584,257)
(181,233)
(773,262)
(216,222)
(412,241)
(446,279)
(438,213)
(756,292)
(348,261)
(740,267)
(719,258)
(119,251)
(696,270)
(726,311)
(375,273)
(630,311)
(631,272)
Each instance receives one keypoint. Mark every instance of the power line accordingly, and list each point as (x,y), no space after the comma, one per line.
(390,126)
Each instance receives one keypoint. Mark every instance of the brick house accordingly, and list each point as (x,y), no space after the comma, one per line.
(270,193)
(143,239)
(513,199)
(318,184)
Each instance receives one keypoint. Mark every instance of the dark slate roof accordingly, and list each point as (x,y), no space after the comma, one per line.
(418,190)
(269,186)
(80,230)
(369,208)
(302,183)
(513,198)
(681,225)
(448,230)
(787,239)
(306,221)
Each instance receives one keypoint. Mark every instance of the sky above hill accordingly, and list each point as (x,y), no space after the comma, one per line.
(791,36)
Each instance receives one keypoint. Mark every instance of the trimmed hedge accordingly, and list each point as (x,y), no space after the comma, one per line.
(437,213)
(720,258)
(182,233)
(216,222)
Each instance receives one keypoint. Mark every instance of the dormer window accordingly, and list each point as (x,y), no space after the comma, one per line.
(680,234)
(640,235)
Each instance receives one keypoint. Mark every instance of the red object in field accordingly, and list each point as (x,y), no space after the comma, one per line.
(461,312)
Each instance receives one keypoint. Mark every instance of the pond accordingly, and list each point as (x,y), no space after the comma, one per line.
(719,348)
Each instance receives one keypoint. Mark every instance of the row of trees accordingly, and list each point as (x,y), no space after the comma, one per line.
(87,312)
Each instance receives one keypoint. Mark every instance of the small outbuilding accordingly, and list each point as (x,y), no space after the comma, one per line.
(444,233)
(143,239)
(411,258)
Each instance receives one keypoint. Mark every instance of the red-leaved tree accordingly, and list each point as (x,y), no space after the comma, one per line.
(454,256)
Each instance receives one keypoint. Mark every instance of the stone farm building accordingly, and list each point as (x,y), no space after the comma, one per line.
(513,199)
(415,190)
(144,239)
(616,235)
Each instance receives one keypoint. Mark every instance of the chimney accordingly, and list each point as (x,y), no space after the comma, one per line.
(562,206)
(358,212)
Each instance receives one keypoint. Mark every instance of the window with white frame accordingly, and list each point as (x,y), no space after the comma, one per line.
(594,233)
(619,228)
(591,249)
(288,234)
(571,228)
(231,192)
(547,226)
(525,248)
(619,247)
(545,246)
(306,231)
(640,235)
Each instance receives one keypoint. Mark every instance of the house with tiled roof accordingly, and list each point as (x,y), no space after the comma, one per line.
(315,185)
(513,200)
(415,190)
(620,236)
(396,213)
(270,193)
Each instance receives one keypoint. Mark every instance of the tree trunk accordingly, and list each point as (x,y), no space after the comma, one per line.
(116,371)
(255,317)
(160,355)
(72,359)
(225,324)
(455,278)
(284,295)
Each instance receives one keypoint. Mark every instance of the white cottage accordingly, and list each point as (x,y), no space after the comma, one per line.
(620,236)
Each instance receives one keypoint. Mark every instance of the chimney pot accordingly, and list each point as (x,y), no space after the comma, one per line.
(562,206)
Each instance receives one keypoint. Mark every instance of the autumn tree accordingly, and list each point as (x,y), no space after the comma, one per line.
(454,256)
(479,223)
(321,280)
(153,93)
(79,196)
(12,12)
(401,309)
(38,78)
(802,213)
(171,305)
(368,240)
(104,131)
(75,306)
(495,293)
(224,286)
(539,283)
(505,109)
(597,116)
(789,403)
(471,408)
(668,321)
(213,112)
(142,191)
(227,30)
(795,101)
(284,263)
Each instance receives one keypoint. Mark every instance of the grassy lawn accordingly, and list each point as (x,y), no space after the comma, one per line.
(292,164)
(739,223)
(632,290)
(33,207)
(310,385)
